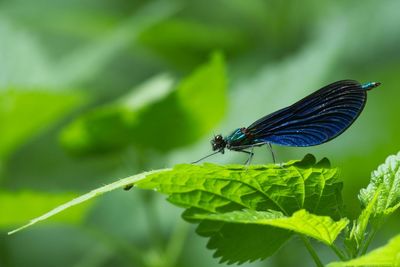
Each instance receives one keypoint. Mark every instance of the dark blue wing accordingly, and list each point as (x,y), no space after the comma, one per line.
(315,119)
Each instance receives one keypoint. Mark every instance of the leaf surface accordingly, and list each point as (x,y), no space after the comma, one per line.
(385,256)
(322,228)
(255,209)
(17,207)
(228,190)
(287,188)
(385,183)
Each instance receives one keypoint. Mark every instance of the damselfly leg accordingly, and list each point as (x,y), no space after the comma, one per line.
(272,152)
(250,153)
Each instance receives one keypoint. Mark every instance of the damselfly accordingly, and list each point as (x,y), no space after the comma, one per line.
(315,119)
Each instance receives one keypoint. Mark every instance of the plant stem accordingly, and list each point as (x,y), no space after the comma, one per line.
(338,252)
(368,241)
(311,250)
(153,221)
(176,244)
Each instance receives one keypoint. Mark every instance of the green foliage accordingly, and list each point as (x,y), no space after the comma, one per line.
(93,131)
(24,113)
(87,62)
(249,235)
(23,61)
(275,53)
(123,183)
(170,37)
(225,191)
(249,212)
(379,200)
(357,235)
(218,189)
(179,112)
(388,255)
(385,186)
(205,87)
(238,243)
(322,228)
(286,188)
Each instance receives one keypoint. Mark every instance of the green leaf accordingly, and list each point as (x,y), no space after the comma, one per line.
(248,235)
(388,255)
(210,188)
(321,228)
(238,243)
(17,207)
(256,187)
(202,95)
(109,127)
(122,183)
(385,185)
(132,122)
(358,231)
(286,188)
(25,113)
(379,199)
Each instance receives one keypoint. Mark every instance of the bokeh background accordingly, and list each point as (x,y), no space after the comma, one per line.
(93,91)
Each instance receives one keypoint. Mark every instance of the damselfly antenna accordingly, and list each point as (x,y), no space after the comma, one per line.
(212,154)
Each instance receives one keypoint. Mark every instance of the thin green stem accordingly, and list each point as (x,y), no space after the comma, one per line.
(338,252)
(312,252)
(153,221)
(369,240)
(176,244)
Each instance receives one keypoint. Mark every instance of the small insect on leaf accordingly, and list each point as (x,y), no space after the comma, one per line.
(128,187)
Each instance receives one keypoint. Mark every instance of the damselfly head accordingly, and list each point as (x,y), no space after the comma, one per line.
(218,143)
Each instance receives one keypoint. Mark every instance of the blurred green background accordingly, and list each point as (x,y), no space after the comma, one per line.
(92,91)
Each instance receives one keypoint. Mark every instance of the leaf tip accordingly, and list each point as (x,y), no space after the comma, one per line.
(19,229)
